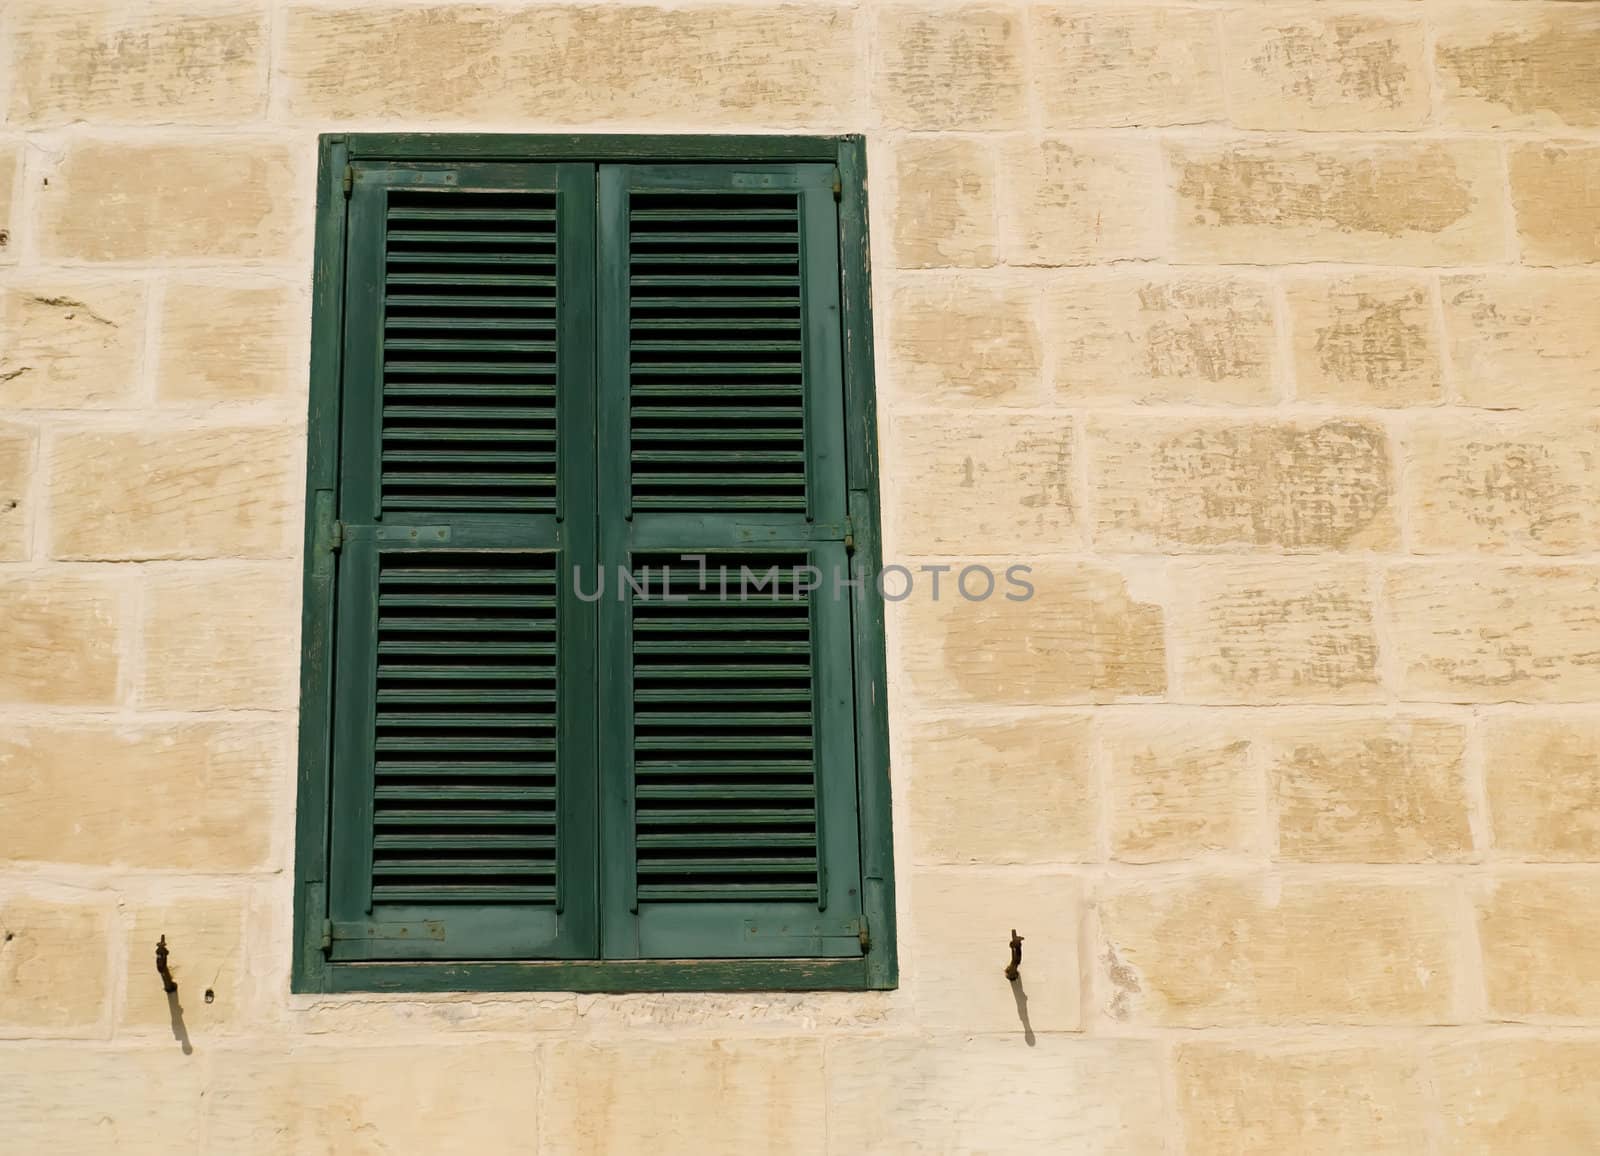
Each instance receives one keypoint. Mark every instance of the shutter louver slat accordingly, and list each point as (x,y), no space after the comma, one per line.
(469,352)
(465,775)
(723,753)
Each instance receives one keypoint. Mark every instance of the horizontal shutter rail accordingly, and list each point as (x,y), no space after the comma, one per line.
(417,211)
(446,771)
(472,791)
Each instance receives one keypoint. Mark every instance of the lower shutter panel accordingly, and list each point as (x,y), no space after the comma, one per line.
(724,738)
(461,855)
(464,782)
(732,693)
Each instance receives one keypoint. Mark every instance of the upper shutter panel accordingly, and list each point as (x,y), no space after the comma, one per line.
(716,352)
(469,352)
(463,765)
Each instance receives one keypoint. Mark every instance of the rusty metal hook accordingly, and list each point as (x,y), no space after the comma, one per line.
(1014,968)
(168,984)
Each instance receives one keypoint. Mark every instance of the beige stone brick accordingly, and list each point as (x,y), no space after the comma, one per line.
(1524,68)
(944,203)
(1303,70)
(1196,484)
(1365,339)
(971,485)
(1154,337)
(1555,190)
(1369,790)
(1263,632)
(1524,338)
(145,1102)
(1484,482)
(10,170)
(126,201)
(957,918)
(421,1014)
(1179,786)
(218,639)
(195,796)
(16,468)
(1261,1101)
(186,494)
(69,342)
(479,1097)
(779,64)
(207,952)
(55,964)
(352,60)
(64,640)
(949,68)
(1538,934)
(954,342)
(1011,790)
(1259,950)
(994,1094)
(1518,1097)
(1080,636)
(1543,780)
(661,1096)
(1125,66)
(1079,202)
(1482,633)
(230,343)
(1414,203)
(106,62)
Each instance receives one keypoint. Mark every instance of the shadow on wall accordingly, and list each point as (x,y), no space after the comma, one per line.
(1021,996)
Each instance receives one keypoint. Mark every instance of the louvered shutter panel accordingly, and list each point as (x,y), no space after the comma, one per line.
(464,790)
(727,727)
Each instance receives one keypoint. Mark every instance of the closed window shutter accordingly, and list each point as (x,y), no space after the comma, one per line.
(727,729)
(464,778)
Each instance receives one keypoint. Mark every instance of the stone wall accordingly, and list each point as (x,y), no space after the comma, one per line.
(1266,333)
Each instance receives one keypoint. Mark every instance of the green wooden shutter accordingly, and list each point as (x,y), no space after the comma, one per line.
(464,779)
(727,727)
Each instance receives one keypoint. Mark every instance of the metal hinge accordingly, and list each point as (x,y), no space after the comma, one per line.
(327,935)
(849,535)
(361,930)
(865,937)
(349,179)
(336,536)
(838,185)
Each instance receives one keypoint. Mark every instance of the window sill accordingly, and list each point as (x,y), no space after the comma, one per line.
(623,975)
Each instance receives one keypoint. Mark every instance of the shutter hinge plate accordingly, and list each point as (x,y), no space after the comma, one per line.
(336,536)
(327,935)
(349,179)
(849,535)
(414,930)
(838,185)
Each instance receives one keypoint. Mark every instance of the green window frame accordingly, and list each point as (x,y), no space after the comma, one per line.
(540,363)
